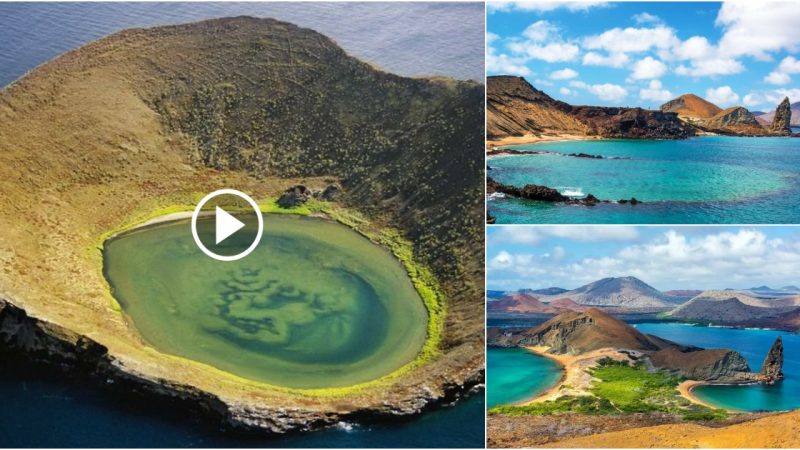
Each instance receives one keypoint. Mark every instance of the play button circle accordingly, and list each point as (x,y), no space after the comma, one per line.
(226,224)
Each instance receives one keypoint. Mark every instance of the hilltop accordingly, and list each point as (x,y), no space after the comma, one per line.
(575,333)
(518,112)
(710,117)
(739,309)
(145,121)
(691,107)
(618,292)
(516,109)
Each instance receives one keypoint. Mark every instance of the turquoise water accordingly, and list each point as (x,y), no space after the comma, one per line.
(753,345)
(514,375)
(713,179)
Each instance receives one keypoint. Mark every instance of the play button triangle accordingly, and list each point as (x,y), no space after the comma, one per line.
(226,225)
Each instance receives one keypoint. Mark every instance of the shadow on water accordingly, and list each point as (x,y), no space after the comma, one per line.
(43,407)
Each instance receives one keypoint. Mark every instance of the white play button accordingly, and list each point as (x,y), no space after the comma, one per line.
(226,225)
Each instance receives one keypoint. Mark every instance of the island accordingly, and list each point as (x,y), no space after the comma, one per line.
(137,127)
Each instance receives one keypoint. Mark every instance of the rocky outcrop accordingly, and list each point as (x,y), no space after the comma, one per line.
(52,346)
(330,193)
(717,365)
(772,368)
(732,117)
(515,108)
(781,122)
(546,194)
(709,117)
(766,118)
(294,196)
(529,191)
(631,123)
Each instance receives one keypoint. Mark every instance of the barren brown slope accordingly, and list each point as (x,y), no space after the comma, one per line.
(776,431)
(691,106)
(147,120)
(520,303)
(515,108)
(576,333)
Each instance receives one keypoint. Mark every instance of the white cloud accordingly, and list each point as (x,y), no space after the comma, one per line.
(608,92)
(655,92)
(632,40)
(578,84)
(551,52)
(534,235)
(778,78)
(540,30)
(769,99)
(758,29)
(674,259)
(694,48)
(611,60)
(566,91)
(505,65)
(711,67)
(542,6)
(644,18)
(788,66)
(752,99)
(648,68)
(563,74)
(722,96)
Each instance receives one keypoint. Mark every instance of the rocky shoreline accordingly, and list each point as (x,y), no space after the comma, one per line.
(547,194)
(54,347)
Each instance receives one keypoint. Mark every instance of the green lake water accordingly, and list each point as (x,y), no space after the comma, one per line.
(316,305)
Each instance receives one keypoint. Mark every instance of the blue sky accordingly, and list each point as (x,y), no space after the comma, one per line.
(643,54)
(688,257)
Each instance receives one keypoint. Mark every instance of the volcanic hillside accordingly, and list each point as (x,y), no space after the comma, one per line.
(578,332)
(624,292)
(691,107)
(147,119)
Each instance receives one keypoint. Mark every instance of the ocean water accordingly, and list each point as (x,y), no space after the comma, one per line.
(753,345)
(411,39)
(713,179)
(45,409)
(315,305)
(514,375)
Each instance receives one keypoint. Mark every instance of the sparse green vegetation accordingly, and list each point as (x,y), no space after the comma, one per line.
(622,388)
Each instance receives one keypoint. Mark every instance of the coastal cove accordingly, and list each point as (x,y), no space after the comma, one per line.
(706,179)
(522,375)
(753,345)
(516,375)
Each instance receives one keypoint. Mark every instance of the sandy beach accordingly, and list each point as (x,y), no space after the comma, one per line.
(575,380)
(685,390)
(536,139)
